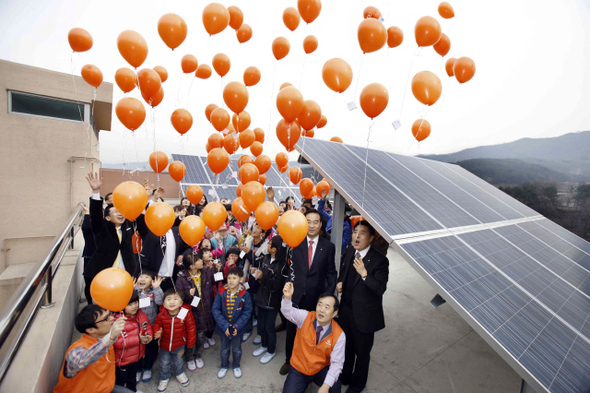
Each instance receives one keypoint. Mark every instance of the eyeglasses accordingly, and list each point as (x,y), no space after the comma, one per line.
(110,314)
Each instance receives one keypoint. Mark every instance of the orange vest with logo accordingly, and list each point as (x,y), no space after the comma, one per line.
(97,378)
(308,356)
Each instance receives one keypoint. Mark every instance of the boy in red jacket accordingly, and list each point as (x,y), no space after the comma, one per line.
(130,345)
(175,326)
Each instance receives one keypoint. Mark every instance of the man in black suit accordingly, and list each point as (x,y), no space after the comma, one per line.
(112,236)
(313,273)
(364,272)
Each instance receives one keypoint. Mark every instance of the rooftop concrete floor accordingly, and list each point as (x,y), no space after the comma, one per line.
(421,350)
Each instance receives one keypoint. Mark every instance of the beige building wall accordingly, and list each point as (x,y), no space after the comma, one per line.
(43,161)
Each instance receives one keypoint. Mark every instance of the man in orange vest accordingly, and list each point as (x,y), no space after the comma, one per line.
(89,364)
(318,351)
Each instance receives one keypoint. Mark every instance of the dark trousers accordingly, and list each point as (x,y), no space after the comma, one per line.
(166,284)
(126,375)
(151,352)
(358,351)
(266,328)
(297,382)
(87,282)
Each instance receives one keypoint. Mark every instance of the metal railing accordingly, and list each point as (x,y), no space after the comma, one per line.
(34,292)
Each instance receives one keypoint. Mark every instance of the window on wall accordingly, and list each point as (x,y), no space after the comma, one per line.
(35,105)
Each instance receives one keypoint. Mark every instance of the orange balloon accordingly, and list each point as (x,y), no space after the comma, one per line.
(231,143)
(446,10)
(309,9)
(322,186)
(172,29)
(80,40)
(111,289)
(293,227)
(158,161)
(310,44)
(221,64)
(371,35)
(282,159)
(371,12)
(288,133)
(159,218)
(207,147)
(230,129)
(374,99)
(235,96)
(162,72)
(126,79)
(203,71)
(182,120)
(247,138)
(240,210)
(177,170)
(286,84)
(239,190)
(214,215)
(323,122)
(464,69)
(443,46)
(215,18)
(259,134)
(263,163)
(245,159)
(308,133)
(215,140)
(337,74)
(244,33)
(210,108)
(189,64)
(291,18)
(131,112)
(236,17)
(130,199)
(217,160)
(336,139)
(192,229)
(149,82)
(427,31)
(289,103)
(194,194)
(421,129)
(449,66)
(426,87)
(395,36)
(310,115)
(132,47)
(242,121)
(248,172)
(219,118)
(262,179)
(155,100)
(253,194)
(92,75)
(284,169)
(251,76)
(256,149)
(305,186)
(280,47)
(295,175)
(267,214)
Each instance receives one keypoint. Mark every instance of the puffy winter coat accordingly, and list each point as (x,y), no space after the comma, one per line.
(202,313)
(241,314)
(128,347)
(176,332)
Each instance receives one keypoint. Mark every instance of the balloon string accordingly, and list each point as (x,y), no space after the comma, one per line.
(302,70)
(136,149)
(366,164)
(416,52)
(188,96)
(419,128)
(359,77)
(178,94)
(272,90)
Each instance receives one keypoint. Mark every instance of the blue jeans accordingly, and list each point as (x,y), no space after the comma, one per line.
(171,360)
(266,328)
(233,343)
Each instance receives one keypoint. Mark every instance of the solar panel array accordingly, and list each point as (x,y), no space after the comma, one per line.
(521,281)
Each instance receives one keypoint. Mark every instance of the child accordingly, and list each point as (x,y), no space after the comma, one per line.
(148,287)
(197,281)
(271,277)
(130,346)
(175,326)
(232,309)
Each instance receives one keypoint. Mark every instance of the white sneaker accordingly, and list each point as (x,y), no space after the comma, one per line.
(138,377)
(221,373)
(245,337)
(138,391)
(257,340)
(147,375)
(182,379)
(237,372)
(254,322)
(267,357)
(206,344)
(200,363)
(211,342)
(162,385)
(259,351)
(191,365)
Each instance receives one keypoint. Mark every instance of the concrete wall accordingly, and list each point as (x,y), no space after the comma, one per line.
(43,161)
(112,177)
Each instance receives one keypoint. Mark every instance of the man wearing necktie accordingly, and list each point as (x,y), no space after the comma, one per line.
(364,272)
(313,273)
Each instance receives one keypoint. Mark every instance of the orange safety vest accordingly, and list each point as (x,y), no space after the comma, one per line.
(308,357)
(99,377)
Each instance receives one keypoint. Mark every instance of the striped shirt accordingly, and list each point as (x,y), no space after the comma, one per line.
(230,302)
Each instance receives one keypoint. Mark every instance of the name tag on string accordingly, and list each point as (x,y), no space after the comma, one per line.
(242,254)
(246,285)
(145,302)
(218,276)
(196,301)
(182,313)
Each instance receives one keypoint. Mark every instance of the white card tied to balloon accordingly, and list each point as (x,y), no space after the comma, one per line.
(242,254)
(351,105)
(144,302)
(246,285)
(196,301)
(211,192)
(182,313)
(397,124)
(218,276)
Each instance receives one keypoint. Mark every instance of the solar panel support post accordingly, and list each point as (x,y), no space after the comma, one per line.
(526,388)
(337,224)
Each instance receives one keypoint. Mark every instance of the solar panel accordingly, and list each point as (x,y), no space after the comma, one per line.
(195,173)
